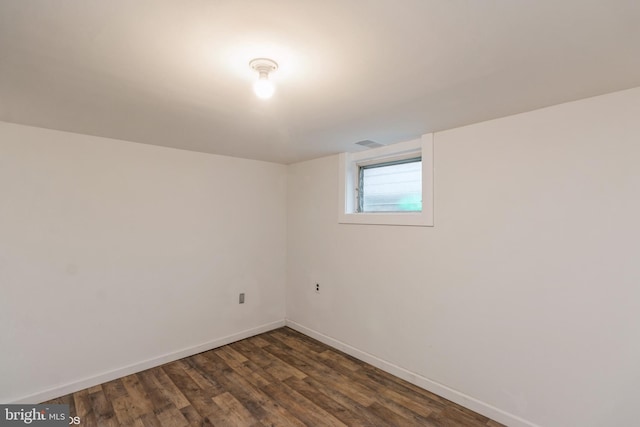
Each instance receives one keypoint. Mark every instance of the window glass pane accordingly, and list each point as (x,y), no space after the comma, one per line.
(394,187)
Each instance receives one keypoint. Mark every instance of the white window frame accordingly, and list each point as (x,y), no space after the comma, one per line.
(348,179)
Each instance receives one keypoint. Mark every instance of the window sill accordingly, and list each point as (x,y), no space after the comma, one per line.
(417,219)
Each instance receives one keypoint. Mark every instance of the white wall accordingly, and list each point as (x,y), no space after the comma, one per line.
(116,256)
(526,293)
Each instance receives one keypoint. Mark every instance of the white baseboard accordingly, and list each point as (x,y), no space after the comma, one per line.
(460,398)
(72,387)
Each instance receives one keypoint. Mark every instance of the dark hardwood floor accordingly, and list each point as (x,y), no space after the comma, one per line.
(280,378)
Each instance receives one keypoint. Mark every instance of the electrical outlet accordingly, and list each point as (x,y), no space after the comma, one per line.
(241,299)
(317,288)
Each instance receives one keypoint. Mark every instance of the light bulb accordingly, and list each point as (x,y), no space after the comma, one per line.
(264,88)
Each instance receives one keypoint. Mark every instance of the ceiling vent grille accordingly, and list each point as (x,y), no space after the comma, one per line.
(369,144)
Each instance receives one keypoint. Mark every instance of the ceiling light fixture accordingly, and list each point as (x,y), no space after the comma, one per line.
(263,87)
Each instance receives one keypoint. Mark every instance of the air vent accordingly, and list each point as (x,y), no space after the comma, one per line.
(369,144)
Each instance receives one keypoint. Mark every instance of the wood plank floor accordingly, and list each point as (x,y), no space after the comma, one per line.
(280,378)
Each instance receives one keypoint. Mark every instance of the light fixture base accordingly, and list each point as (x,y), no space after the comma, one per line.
(263,65)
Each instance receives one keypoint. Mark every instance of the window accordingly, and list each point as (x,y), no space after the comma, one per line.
(394,186)
(391,185)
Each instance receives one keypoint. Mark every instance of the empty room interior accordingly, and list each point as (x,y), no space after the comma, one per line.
(354,212)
